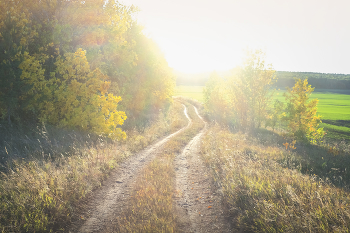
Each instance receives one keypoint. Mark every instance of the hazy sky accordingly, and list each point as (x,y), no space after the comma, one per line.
(297,35)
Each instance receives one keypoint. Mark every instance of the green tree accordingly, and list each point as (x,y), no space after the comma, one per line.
(275,114)
(301,113)
(217,101)
(250,87)
(146,82)
(16,34)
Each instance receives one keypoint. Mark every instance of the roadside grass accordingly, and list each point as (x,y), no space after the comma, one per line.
(193,92)
(328,161)
(151,204)
(42,194)
(263,195)
(40,142)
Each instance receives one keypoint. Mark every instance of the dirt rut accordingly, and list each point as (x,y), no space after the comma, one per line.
(108,202)
(198,202)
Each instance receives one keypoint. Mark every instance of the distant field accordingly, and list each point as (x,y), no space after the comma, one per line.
(334,106)
(194,92)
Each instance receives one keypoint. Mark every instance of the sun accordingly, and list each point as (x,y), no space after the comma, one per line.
(195,55)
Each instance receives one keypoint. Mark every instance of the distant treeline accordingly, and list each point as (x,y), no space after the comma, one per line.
(198,79)
(317,80)
(284,79)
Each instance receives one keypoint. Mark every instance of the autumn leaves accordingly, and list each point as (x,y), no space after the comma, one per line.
(79,64)
(74,96)
(245,100)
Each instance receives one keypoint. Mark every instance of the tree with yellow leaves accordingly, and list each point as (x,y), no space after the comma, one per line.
(74,96)
(301,114)
(38,38)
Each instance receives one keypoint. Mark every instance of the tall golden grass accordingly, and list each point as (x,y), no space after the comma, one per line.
(151,204)
(44,195)
(263,196)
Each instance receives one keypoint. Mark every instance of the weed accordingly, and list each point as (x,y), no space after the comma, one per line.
(263,196)
(39,194)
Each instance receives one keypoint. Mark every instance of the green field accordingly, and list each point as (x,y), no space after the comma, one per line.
(333,106)
(193,92)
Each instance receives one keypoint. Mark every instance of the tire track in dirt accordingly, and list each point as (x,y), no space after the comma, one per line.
(197,203)
(108,202)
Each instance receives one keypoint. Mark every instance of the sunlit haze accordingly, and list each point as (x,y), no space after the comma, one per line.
(201,35)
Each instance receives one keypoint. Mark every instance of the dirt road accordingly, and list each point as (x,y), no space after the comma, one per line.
(108,201)
(197,204)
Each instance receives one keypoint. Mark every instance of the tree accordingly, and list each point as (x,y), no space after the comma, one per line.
(275,114)
(250,87)
(16,33)
(37,36)
(74,96)
(301,113)
(146,83)
(217,101)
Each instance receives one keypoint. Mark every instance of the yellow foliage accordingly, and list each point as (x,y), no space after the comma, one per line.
(74,96)
(301,113)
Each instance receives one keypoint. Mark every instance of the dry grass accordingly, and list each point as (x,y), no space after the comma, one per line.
(263,196)
(43,195)
(151,204)
(328,161)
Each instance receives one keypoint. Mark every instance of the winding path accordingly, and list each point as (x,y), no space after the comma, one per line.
(108,202)
(198,203)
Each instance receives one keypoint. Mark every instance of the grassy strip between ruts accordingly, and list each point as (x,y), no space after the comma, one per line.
(262,196)
(151,206)
(40,196)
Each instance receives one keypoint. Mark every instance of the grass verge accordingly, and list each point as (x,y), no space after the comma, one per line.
(328,161)
(151,204)
(263,196)
(43,195)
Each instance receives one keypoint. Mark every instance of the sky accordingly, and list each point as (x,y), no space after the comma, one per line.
(296,35)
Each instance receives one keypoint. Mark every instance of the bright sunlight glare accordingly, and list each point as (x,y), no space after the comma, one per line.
(202,35)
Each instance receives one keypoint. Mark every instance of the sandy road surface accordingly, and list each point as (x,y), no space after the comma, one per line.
(198,202)
(107,203)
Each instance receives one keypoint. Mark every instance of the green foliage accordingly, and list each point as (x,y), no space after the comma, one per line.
(251,84)
(334,106)
(275,114)
(147,84)
(317,80)
(38,69)
(217,102)
(301,114)
(244,96)
(304,75)
(16,33)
